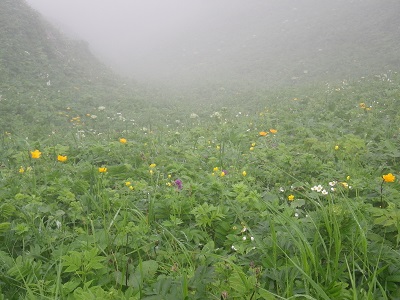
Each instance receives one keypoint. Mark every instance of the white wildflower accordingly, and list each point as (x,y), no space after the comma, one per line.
(58,224)
(216,115)
(317,188)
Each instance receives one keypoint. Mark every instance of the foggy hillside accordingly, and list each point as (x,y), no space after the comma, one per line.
(255,43)
(270,44)
(33,52)
(42,71)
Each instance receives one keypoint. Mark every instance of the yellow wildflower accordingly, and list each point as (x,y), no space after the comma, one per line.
(222,174)
(336,147)
(152,165)
(103,170)
(389,177)
(244,173)
(251,148)
(290,197)
(21,170)
(131,188)
(263,133)
(362,105)
(215,169)
(273,131)
(151,172)
(36,154)
(253,144)
(122,140)
(128,183)
(62,158)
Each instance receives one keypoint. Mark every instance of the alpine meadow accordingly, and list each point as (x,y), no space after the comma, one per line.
(280,185)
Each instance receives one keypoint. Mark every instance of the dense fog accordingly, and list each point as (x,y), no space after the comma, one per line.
(237,40)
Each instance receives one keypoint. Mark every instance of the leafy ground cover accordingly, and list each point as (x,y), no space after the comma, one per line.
(293,196)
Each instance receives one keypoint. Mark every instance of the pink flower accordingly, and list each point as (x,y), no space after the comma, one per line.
(178,183)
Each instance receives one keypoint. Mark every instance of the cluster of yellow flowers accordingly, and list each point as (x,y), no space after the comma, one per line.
(22,169)
(264,133)
(364,106)
(129,185)
(152,166)
(36,154)
(76,120)
(252,146)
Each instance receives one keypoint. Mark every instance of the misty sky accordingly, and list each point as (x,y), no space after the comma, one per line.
(128,33)
(217,39)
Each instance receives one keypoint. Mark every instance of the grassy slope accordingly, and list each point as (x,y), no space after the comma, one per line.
(33,53)
(68,231)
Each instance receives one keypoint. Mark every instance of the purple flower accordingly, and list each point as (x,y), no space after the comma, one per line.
(178,183)
(225,171)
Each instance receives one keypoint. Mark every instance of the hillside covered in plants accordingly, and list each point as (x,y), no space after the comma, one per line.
(110,190)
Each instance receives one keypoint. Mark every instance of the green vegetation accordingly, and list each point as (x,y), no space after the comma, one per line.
(293,196)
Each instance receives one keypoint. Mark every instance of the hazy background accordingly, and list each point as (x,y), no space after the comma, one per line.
(137,36)
(237,41)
